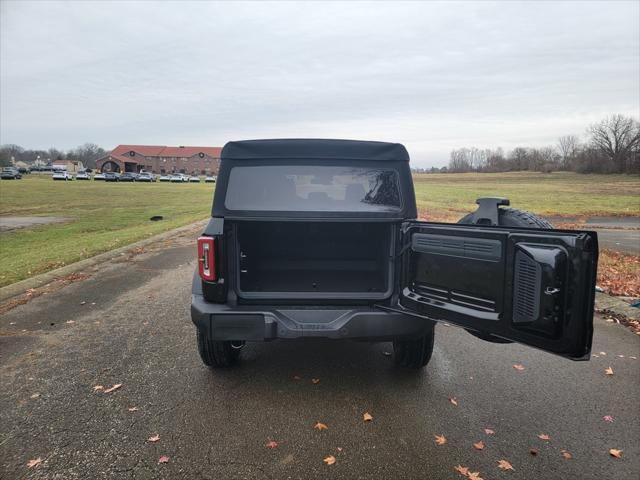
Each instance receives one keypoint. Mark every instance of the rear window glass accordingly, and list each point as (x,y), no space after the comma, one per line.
(313,188)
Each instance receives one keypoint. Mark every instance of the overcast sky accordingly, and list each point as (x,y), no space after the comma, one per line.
(434,76)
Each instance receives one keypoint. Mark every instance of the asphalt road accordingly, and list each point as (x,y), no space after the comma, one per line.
(134,329)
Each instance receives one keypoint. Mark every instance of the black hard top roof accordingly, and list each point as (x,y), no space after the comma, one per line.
(314,149)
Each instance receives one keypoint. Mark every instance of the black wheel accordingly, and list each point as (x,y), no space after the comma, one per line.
(414,353)
(216,354)
(512,217)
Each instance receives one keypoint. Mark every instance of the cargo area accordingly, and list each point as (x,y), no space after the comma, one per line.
(287,259)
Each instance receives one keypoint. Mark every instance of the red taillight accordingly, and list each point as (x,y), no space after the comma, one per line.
(207,258)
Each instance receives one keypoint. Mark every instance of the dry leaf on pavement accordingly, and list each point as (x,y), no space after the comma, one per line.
(614,452)
(367,417)
(566,454)
(462,470)
(474,476)
(98,387)
(440,439)
(544,436)
(330,460)
(114,388)
(454,401)
(488,431)
(154,438)
(608,371)
(34,463)
(533,451)
(518,367)
(320,426)
(296,377)
(608,418)
(479,445)
(133,409)
(35,395)
(504,465)
(271,444)
(163,459)
(315,381)
(604,354)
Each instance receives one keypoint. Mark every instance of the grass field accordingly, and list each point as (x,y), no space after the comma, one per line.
(103,216)
(106,216)
(447,197)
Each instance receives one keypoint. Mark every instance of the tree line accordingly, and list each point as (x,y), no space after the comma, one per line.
(611,145)
(87,153)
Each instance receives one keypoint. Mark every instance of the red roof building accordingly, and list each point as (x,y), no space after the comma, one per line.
(161,159)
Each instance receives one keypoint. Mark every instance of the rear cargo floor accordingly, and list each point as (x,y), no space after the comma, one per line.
(320,257)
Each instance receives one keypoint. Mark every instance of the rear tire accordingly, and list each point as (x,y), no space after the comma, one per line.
(216,354)
(414,353)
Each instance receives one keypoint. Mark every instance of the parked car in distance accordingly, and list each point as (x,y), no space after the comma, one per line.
(210,179)
(83,176)
(62,175)
(320,238)
(146,177)
(99,176)
(24,170)
(165,178)
(128,177)
(194,179)
(111,177)
(10,173)
(179,178)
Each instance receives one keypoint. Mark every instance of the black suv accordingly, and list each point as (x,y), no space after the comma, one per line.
(319,238)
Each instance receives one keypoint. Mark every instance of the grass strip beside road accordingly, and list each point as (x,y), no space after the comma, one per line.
(102,216)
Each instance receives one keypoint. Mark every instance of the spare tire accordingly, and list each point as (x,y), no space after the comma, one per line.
(512,217)
(509,217)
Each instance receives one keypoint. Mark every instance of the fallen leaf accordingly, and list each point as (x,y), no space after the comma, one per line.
(163,459)
(518,367)
(488,431)
(479,445)
(296,377)
(367,417)
(315,381)
(83,302)
(608,371)
(98,387)
(604,354)
(70,321)
(454,401)
(34,463)
(271,444)
(440,439)
(114,388)
(635,358)
(154,438)
(608,418)
(614,452)
(596,356)
(566,454)
(320,426)
(544,436)
(35,395)
(474,476)
(533,451)
(620,356)
(339,449)
(504,465)
(462,470)
(133,409)
(330,460)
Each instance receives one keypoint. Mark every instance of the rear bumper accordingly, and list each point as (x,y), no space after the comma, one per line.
(220,322)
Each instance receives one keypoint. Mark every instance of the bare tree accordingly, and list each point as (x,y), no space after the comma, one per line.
(617,138)
(568,147)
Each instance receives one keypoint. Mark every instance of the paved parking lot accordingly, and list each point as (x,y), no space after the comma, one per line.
(128,323)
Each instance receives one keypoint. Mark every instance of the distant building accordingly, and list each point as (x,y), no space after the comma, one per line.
(161,159)
(71,166)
